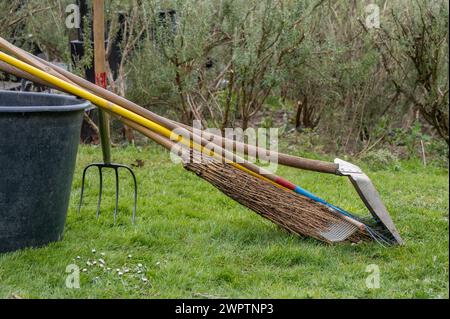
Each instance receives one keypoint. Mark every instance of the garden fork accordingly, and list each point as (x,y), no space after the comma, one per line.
(116,168)
(104,129)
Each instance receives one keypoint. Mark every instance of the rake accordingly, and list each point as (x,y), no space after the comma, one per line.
(339,225)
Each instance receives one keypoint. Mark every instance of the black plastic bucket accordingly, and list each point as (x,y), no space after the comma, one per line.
(39,136)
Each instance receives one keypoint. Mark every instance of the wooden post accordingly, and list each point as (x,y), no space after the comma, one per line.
(100,74)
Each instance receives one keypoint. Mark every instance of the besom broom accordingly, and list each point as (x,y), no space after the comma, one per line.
(295,213)
(334,231)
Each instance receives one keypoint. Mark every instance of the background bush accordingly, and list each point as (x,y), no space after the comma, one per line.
(307,66)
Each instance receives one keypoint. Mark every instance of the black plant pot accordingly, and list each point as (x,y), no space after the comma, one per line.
(39,136)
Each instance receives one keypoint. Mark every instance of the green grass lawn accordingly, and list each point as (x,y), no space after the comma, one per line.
(190,241)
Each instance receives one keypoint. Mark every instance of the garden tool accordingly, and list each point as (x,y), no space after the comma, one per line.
(343,228)
(103,117)
(296,214)
(361,181)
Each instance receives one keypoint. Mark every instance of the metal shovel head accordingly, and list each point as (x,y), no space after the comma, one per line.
(369,196)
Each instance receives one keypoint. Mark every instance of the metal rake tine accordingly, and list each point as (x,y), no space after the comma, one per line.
(379,238)
(339,231)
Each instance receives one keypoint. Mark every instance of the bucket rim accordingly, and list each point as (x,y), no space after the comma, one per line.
(75,105)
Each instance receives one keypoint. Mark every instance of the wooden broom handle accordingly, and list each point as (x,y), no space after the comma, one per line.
(168,144)
(283,159)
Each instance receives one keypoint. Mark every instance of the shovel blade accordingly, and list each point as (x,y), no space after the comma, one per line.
(369,195)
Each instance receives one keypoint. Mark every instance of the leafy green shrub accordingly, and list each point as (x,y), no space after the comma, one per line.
(381,159)
(437,150)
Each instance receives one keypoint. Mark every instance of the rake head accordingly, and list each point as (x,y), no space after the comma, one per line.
(337,232)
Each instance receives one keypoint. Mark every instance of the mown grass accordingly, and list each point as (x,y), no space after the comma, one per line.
(193,242)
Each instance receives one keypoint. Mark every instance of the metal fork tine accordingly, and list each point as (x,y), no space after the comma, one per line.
(100,191)
(135,191)
(82,190)
(116,171)
(116,168)
(83,180)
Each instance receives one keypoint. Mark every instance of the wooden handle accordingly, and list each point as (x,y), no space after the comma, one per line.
(100,74)
(26,57)
(4,67)
(99,43)
(308,164)
(283,159)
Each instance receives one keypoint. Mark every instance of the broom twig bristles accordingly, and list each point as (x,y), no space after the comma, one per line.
(292,212)
(295,213)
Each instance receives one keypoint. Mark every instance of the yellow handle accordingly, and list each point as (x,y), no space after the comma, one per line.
(117,110)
